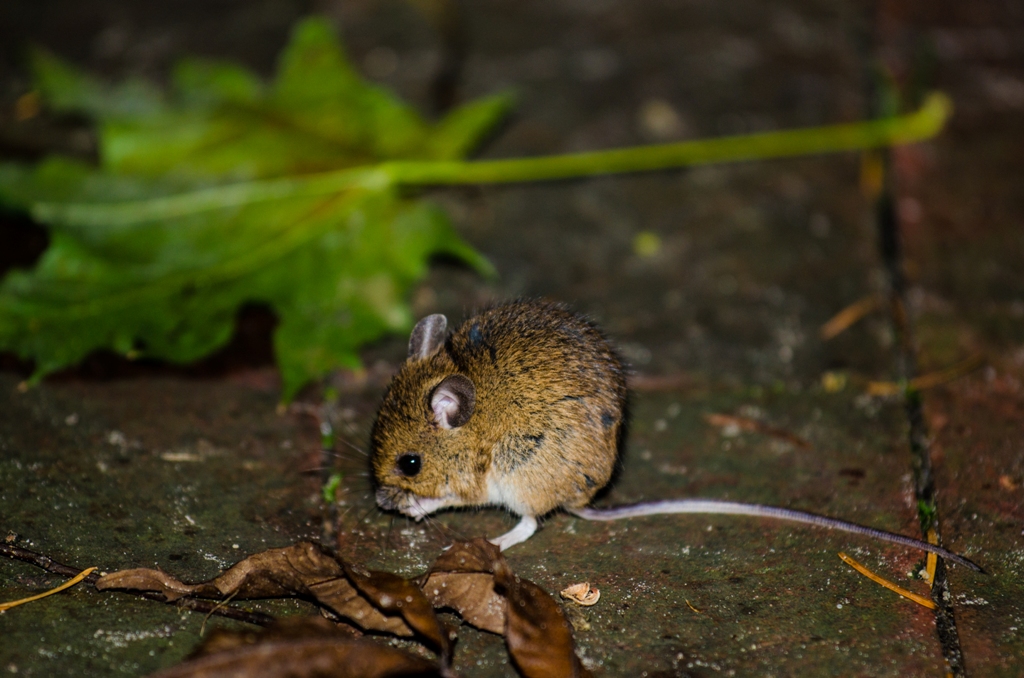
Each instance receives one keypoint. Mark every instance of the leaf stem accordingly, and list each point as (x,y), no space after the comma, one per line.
(919,125)
(922,124)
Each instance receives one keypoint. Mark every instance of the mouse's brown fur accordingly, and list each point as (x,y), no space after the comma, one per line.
(545,424)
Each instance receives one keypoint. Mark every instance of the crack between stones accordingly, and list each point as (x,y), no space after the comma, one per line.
(918,438)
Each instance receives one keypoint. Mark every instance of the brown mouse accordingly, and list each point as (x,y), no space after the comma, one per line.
(521,407)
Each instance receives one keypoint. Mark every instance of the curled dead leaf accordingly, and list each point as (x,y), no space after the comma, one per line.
(474,579)
(143,579)
(394,595)
(471,595)
(306,658)
(302,570)
(462,580)
(285,629)
(471,578)
(582,594)
(538,635)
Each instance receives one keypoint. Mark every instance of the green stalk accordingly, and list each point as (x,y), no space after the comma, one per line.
(919,125)
(922,124)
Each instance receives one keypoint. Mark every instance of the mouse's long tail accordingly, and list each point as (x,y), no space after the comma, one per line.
(714,506)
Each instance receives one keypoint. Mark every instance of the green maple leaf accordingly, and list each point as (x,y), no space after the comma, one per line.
(294,194)
(214,196)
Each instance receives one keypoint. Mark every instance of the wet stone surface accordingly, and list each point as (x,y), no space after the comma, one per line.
(716,278)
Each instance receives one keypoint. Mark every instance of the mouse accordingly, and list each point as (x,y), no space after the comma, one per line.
(523,407)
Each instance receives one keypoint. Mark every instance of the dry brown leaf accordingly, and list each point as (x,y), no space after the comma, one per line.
(345,600)
(274,573)
(538,636)
(306,658)
(144,579)
(471,595)
(475,555)
(301,569)
(471,578)
(287,628)
(397,596)
(462,580)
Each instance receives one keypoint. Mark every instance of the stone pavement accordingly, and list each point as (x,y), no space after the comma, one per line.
(714,282)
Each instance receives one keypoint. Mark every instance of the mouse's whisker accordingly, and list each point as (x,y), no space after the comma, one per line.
(386,545)
(341,517)
(352,446)
(365,514)
(346,458)
(440,530)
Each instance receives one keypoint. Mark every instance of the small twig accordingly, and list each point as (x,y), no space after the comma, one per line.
(754,426)
(932,560)
(658,383)
(929,380)
(43,562)
(842,321)
(920,600)
(46,594)
(220,604)
(205,606)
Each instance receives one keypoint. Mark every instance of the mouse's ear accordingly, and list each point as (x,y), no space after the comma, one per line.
(453,401)
(427,337)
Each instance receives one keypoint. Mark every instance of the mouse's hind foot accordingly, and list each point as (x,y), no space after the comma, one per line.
(518,534)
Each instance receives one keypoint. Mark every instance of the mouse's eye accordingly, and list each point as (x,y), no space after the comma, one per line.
(409,464)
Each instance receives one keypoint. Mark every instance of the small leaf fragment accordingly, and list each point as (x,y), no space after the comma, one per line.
(582,594)
(329,492)
(461,130)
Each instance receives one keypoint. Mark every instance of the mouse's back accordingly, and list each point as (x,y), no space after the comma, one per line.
(521,406)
